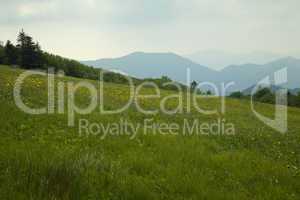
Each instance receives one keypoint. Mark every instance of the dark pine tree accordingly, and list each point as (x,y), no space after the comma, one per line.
(38,56)
(11,54)
(30,53)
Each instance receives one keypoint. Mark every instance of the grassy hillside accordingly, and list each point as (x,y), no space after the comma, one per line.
(42,158)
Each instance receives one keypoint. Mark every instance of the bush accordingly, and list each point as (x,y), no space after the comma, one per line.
(237,95)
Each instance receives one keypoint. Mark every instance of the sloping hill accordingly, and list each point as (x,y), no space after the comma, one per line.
(41,157)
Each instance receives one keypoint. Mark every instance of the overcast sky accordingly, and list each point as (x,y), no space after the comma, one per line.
(88,29)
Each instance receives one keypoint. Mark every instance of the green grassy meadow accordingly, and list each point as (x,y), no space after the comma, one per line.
(41,157)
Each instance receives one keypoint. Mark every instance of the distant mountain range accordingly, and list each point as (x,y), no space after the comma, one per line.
(249,74)
(151,65)
(295,91)
(273,88)
(218,60)
(249,90)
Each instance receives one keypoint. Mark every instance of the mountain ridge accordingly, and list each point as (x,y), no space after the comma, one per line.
(153,65)
(150,65)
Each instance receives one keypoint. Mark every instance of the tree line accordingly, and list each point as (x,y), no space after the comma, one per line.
(266,95)
(28,54)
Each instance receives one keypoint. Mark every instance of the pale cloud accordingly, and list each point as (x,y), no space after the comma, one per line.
(103,28)
(36,9)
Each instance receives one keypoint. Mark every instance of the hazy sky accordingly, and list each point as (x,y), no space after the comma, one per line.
(87,29)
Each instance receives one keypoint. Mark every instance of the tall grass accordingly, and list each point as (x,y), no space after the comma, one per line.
(42,158)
